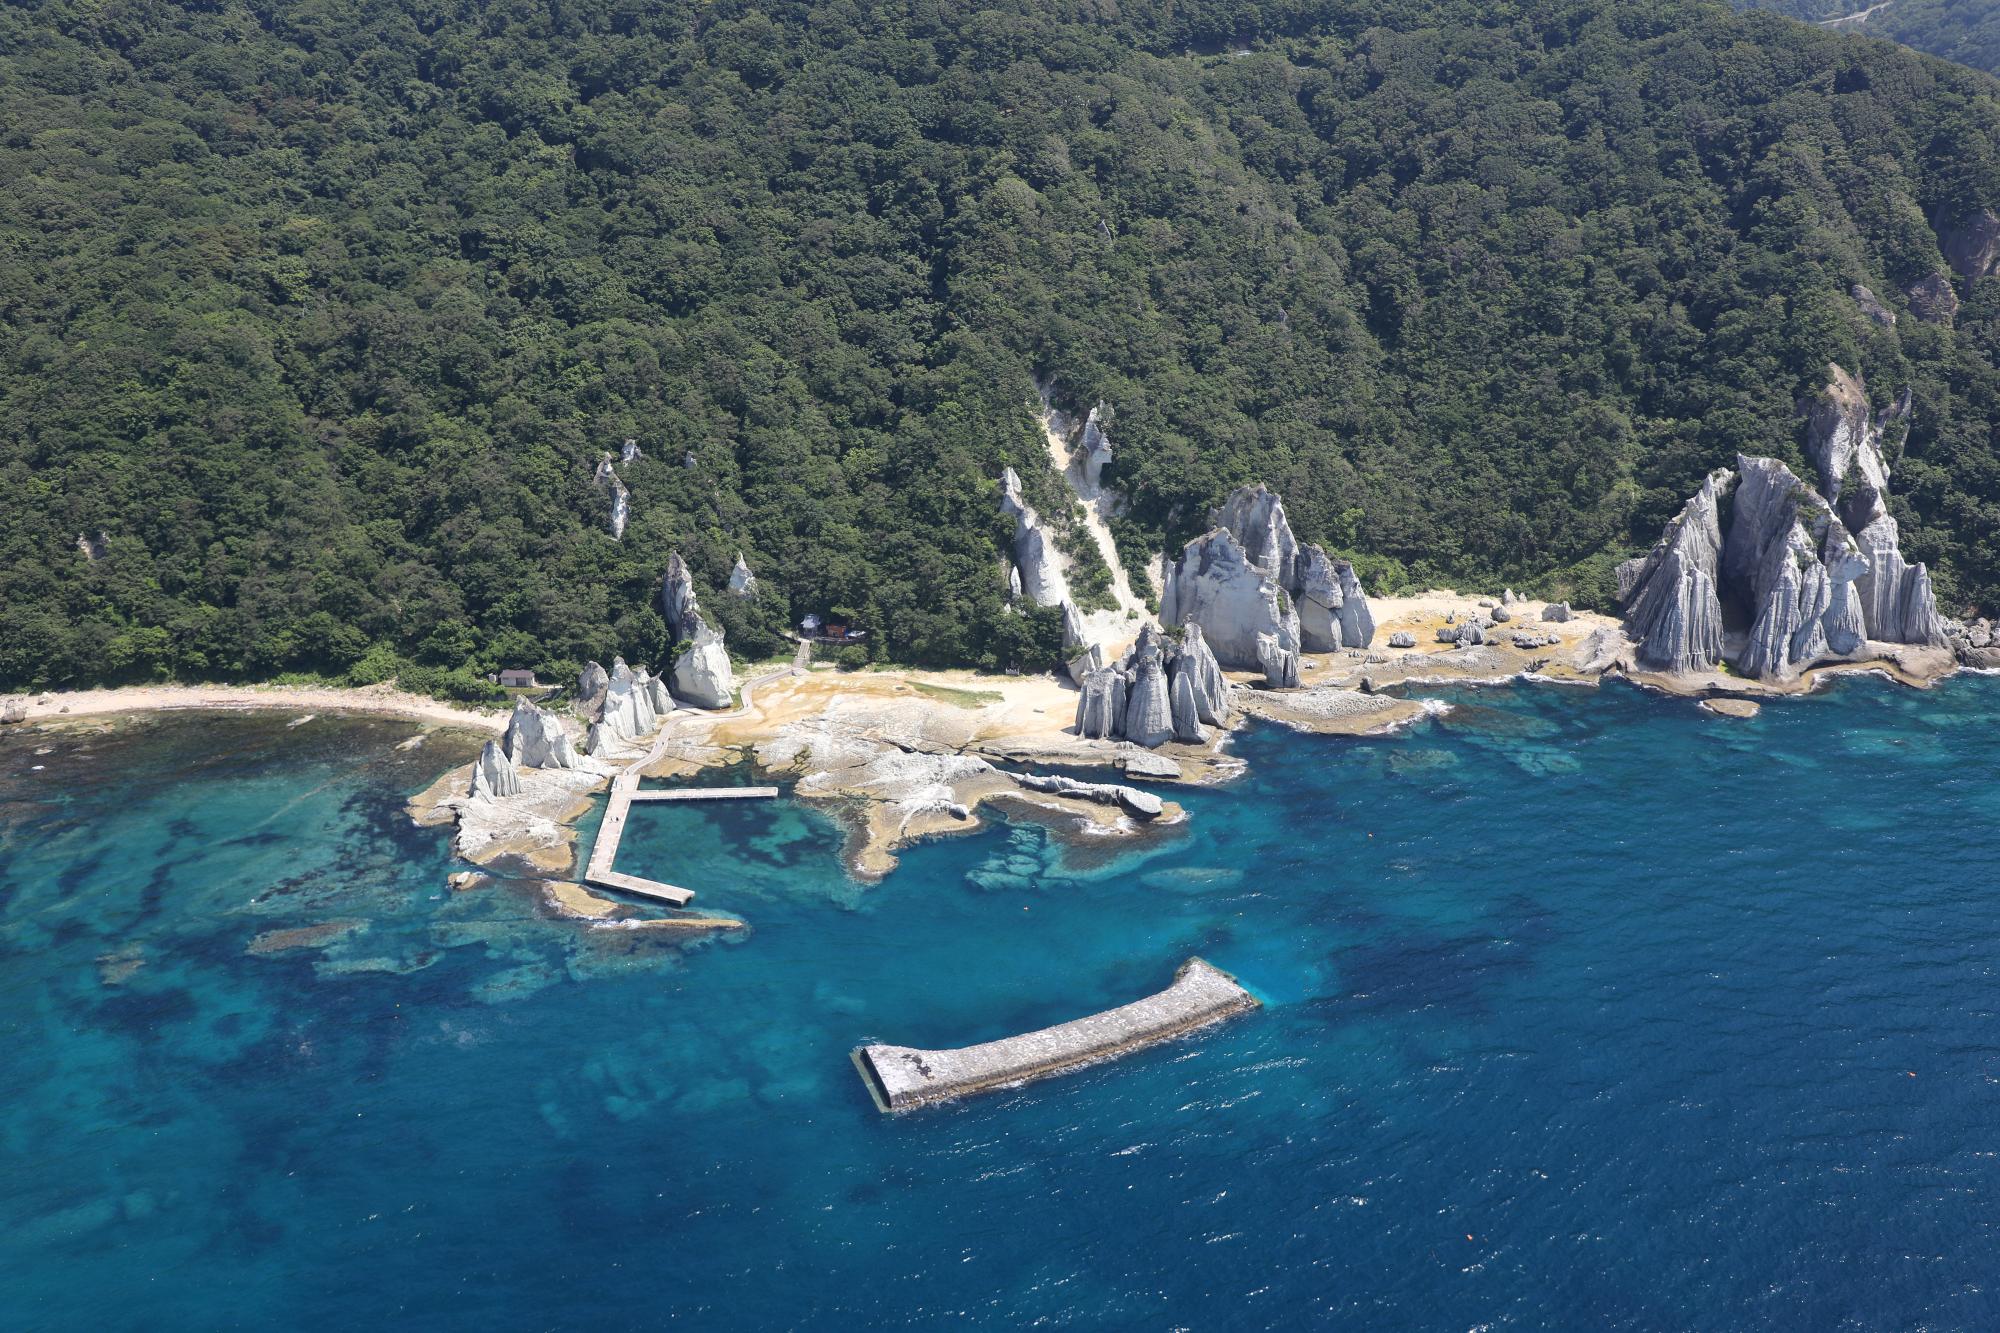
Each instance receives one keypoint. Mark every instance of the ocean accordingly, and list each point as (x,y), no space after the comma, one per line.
(1583,1009)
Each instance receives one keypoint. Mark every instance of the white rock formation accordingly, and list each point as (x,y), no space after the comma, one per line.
(493,775)
(701,675)
(629,452)
(1133,801)
(1673,607)
(1320,597)
(628,705)
(621,499)
(742,583)
(656,694)
(1255,516)
(1204,676)
(1216,585)
(591,683)
(1819,572)
(1095,448)
(1280,664)
(537,739)
(1089,660)
(1186,713)
(1844,442)
(1149,709)
(598,743)
(1100,708)
(1035,556)
(1556,613)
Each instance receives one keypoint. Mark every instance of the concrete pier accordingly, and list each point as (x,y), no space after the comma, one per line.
(604,853)
(707,794)
(902,1077)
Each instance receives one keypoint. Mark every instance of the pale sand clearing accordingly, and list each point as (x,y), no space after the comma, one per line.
(378,700)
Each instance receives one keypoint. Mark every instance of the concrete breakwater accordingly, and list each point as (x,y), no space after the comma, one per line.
(902,1077)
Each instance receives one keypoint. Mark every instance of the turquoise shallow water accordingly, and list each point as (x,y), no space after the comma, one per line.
(1585,1010)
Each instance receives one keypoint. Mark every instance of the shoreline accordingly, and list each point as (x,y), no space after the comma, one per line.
(903,755)
(370,700)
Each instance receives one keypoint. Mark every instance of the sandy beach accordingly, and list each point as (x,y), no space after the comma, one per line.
(378,700)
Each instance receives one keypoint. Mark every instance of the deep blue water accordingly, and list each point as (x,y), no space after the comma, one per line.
(1585,1010)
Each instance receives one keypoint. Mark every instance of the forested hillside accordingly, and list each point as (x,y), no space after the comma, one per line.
(1967,31)
(322,313)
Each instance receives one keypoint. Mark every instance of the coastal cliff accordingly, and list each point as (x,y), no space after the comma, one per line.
(1817,574)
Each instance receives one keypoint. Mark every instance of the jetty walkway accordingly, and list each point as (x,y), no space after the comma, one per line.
(902,1077)
(625,790)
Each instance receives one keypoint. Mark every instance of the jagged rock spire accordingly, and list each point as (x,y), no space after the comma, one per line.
(1673,608)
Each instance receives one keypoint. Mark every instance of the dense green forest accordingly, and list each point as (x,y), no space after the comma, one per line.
(321,313)
(1967,31)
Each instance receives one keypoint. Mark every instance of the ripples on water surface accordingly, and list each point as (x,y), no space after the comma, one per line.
(1586,1010)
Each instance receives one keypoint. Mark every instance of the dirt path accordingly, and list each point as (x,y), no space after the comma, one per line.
(1857,18)
(1096,505)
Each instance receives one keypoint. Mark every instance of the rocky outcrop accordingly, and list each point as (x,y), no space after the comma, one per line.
(598,743)
(1159,692)
(1133,801)
(591,683)
(493,775)
(1186,717)
(1081,655)
(629,451)
(1149,710)
(1973,246)
(1844,442)
(1673,608)
(678,604)
(1467,634)
(1280,664)
(1204,676)
(701,674)
(1932,299)
(657,694)
(1312,603)
(1773,564)
(1871,305)
(628,704)
(1094,450)
(1100,710)
(1331,610)
(1255,516)
(1036,559)
(1402,638)
(1075,633)
(1556,613)
(537,739)
(621,499)
(742,583)
(1215,585)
